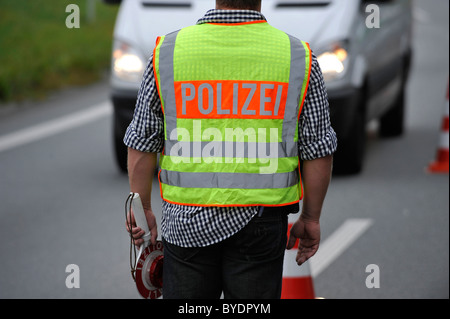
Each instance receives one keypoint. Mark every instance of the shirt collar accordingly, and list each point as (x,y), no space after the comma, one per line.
(231,16)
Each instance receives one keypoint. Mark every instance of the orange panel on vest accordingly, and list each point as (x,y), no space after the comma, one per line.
(231,99)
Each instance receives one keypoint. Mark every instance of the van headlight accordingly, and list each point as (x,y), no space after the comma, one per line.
(333,61)
(127,63)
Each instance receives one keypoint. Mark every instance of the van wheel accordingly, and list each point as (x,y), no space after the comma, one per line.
(349,157)
(392,123)
(120,149)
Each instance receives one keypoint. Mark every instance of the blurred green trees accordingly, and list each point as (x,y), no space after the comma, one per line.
(38,53)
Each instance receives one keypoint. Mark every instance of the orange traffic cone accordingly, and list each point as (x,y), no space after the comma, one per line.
(297,280)
(441,164)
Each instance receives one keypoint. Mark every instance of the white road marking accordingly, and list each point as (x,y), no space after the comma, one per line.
(337,243)
(52,127)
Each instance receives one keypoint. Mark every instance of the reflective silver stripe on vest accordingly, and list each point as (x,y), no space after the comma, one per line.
(167,80)
(229,180)
(296,79)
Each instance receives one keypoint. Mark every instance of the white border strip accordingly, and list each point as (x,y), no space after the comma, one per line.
(52,127)
(337,243)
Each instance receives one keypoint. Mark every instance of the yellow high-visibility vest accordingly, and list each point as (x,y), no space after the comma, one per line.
(231,96)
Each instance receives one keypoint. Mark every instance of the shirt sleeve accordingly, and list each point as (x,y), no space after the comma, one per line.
(146,131)
(317,138)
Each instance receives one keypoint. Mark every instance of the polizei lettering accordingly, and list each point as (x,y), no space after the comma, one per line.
(231,99)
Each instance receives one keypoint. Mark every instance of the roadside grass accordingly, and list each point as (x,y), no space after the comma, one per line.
(38,53)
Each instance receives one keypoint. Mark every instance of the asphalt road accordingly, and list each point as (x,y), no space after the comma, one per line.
(62,197)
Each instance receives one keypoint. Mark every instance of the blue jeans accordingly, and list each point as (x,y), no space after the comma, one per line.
(248,265)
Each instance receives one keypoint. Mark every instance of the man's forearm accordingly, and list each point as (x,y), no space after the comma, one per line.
(141,168)
(316,179)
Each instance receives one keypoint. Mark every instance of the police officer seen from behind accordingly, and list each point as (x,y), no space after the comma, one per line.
(232,105)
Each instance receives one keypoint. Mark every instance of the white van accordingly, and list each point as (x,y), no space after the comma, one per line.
(364,49)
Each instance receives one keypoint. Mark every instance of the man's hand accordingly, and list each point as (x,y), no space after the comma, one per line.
(137,233)
(308,232)
(316,178)
(141,168)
